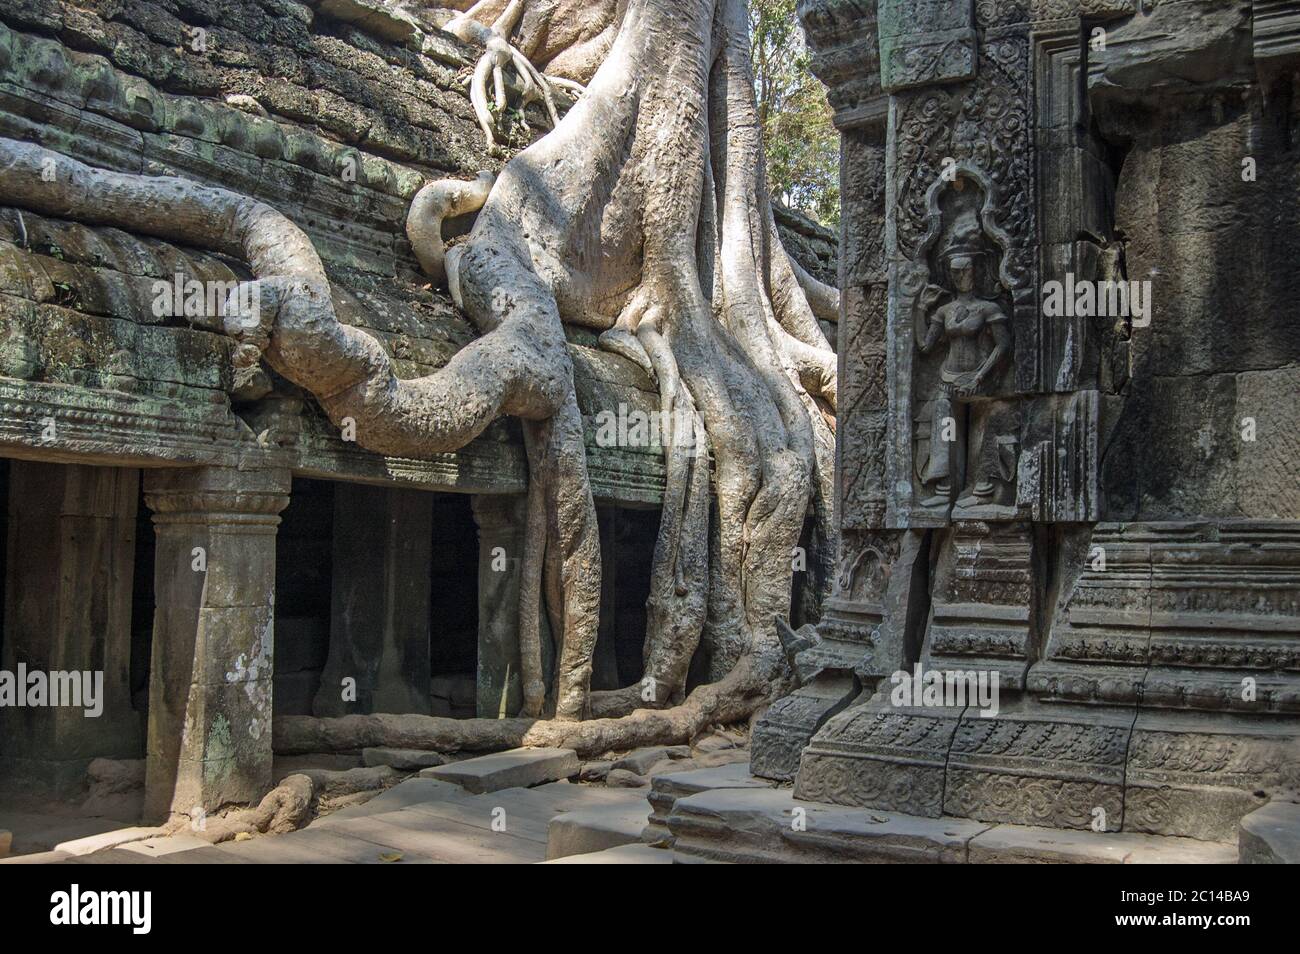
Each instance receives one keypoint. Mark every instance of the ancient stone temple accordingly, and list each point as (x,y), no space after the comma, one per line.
(423,435)
(1070,373)
(198,533)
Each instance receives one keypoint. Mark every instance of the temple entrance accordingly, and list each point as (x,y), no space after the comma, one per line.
(627,543)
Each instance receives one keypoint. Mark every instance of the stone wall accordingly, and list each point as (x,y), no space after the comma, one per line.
(1096,507)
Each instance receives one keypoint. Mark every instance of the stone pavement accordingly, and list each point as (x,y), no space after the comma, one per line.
(707,815)
(419,821)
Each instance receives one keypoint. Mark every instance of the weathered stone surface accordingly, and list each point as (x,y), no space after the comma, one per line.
(1094,504)
(595,829)
(625,778)
(380,17)
(116,788)
(770,825)
(1270,835)
(209,741)
(594,771)
(641,761)
(161,847)
(402,759)
(108,839)
(619,855)
(512,769)
(667,788)
(1016,844)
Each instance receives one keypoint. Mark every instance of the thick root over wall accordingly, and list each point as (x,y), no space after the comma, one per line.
(643,215)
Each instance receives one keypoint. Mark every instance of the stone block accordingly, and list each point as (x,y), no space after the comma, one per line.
(1020,844)
(625,778)
(1270,835)
(516,768)
(771,825)
(642,760)
(595,829)
(665,789)
(402,759)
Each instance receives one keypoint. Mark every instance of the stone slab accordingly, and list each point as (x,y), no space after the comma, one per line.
(770,825)
(641,761)
(596,829)
(418,835)
(108,839)
(402,759)
(667,788)
(158,847)
(413,791)
(1270,835)
(516,768)
(363,845)
(619,855)
(1023,844)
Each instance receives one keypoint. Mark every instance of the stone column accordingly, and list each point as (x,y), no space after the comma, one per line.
(210,683)
(379,612)
(71,561)
(500,522)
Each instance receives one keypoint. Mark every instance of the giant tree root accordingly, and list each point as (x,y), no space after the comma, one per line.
(733,699)
(291,804)
(644,216)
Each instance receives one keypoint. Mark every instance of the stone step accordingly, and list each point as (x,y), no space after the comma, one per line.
(516,768)
(770,825)
(1270,835)
(594,829)
(665,789)
(620,855)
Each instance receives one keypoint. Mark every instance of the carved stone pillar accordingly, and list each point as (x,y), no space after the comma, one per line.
(500,520)
(379,611)
(209,740)
(71,562)
(852,645)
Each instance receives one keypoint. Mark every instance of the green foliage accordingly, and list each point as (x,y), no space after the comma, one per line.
(803,148)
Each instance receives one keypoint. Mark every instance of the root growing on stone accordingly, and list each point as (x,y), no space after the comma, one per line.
(645,216)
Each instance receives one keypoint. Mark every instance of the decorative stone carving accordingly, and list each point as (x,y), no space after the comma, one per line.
(1149,671)
(959,292)
(923,42)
